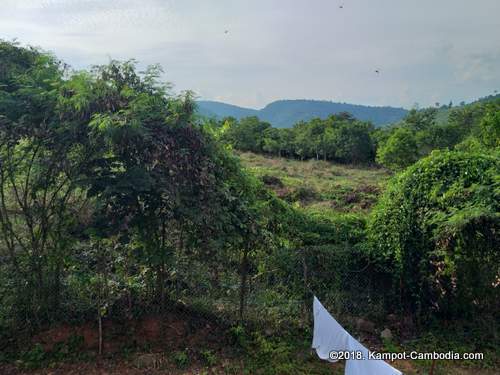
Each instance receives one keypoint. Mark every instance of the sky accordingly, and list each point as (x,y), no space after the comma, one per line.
(252,52)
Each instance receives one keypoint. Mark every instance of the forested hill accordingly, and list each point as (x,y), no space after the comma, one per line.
(285,113)
(444,111)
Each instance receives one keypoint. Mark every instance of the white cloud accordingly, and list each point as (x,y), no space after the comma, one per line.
(427,51)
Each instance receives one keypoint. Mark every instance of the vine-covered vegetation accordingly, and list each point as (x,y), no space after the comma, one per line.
(117,202)
(437,226)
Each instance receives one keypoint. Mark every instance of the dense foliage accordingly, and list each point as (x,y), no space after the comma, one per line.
(105,168)
(342,138)
(116,201)
(469,127)
(437,227)
(339,137)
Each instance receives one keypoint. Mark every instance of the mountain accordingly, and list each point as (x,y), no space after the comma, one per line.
(285,113)
(217,109)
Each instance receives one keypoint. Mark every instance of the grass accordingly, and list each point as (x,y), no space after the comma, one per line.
(343,190)
(339,190)
(319,185)
(260,355)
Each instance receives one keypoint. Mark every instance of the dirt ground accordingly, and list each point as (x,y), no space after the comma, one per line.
(161,339)
(152,364)
(132,367)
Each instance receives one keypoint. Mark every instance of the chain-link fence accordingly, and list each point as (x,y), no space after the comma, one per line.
(276,294)
(112,305)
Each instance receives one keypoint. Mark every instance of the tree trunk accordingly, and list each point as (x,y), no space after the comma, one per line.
(160,270)
(160,285)
(101,292)
(433,366)
(99,321)
(243,282)
(57,286)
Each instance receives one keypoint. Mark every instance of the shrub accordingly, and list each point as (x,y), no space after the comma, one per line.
(438,225)
(209,357)
(303,194)
(33,358)
(399,151)
(272,181)
(181,359)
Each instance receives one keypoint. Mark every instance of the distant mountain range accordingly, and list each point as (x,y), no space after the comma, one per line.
(286,113)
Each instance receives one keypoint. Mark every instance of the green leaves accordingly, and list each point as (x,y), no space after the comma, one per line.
(399,151)
(435,216)
(339,137)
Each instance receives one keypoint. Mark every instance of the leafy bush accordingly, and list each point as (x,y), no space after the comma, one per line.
(399,151)
(209,357)
(33,358)
(437,227)
(302,194)
(272,180)
(181,359)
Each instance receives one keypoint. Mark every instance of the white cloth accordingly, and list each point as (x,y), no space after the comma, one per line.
(366,366)
(330,336)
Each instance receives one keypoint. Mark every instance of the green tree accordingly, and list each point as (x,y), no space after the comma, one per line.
(489,133)
(247,135)
(418,120)
(43,161)
(273,142)
(352,142)
(302,141)
(399,151)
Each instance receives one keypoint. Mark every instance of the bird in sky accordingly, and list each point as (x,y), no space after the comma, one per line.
(377,71)
(341,6)
(226,31)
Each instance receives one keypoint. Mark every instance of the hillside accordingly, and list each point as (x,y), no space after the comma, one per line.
(220,110)
(317,185)
(285,113)
(444,112)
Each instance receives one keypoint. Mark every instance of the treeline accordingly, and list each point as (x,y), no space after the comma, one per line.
(344,139)
(339,137)
(474,127)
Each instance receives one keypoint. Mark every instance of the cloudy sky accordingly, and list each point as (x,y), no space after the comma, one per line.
(427,51)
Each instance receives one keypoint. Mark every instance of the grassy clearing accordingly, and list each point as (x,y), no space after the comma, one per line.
(319,185)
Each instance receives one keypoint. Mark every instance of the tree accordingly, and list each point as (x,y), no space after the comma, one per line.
(273,142)
(302,141)
(399,151)
(287,141)
(489,133)
(352,142)
(43,161)
(157,175)
(418,120)
(247,134)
